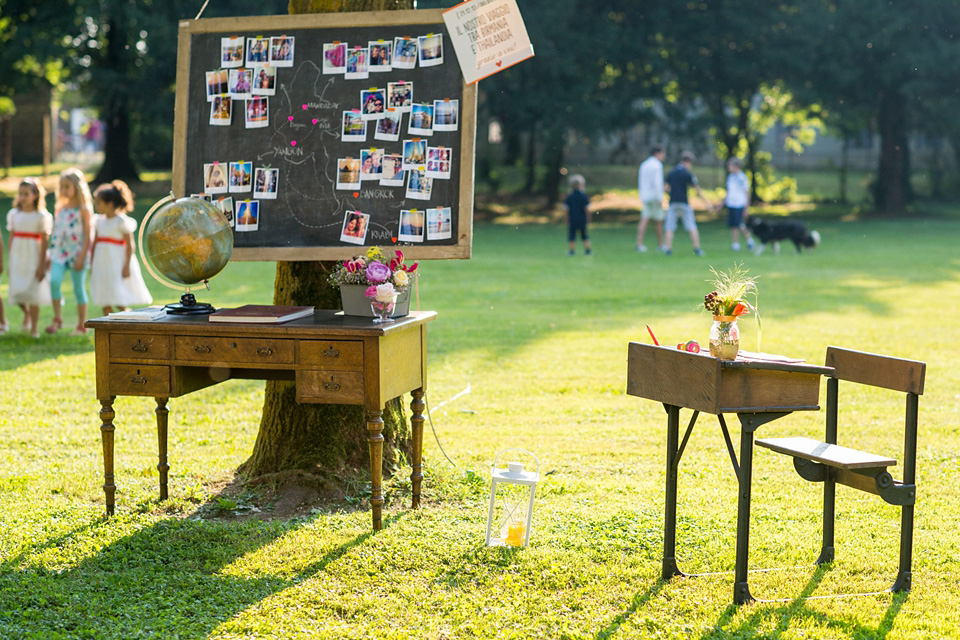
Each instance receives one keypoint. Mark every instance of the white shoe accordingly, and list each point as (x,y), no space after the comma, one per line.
(642,248)
(735,246)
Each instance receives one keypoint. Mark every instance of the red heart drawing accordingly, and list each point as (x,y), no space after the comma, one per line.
(394,238)
(499,62)
(356,195)
(293,143)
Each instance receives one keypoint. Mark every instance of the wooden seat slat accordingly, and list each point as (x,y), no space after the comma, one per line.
(829,454)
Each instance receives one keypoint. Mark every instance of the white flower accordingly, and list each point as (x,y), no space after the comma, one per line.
(385,292)
(400,278)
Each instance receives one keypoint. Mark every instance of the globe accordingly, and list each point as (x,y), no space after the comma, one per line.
(189,241)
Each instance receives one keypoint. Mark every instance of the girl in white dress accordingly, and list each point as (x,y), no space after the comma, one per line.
(115,279)
(30,226)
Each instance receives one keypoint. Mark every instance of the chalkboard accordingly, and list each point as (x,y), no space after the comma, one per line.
(272,133)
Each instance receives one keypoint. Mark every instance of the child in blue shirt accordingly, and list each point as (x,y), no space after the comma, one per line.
(576,204)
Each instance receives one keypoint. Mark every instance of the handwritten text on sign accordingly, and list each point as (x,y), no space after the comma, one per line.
(488,36)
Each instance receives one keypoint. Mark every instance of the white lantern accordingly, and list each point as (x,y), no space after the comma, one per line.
(516,513)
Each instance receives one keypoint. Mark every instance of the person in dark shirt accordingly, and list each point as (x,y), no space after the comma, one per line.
(678,181)
(576,204)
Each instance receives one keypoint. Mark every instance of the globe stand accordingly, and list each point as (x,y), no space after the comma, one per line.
(188,306)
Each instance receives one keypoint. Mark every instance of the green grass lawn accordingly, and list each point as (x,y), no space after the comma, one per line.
(540,341)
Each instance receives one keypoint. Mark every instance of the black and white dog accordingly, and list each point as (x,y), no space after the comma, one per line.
(781,229)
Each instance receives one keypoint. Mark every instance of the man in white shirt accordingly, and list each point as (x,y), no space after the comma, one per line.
(650,186)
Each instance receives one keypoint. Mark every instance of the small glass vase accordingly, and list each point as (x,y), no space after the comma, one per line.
(724,337)
(382,309)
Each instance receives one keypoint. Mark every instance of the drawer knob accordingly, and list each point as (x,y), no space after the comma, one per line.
(202,348)
(331,352)
(139,347)
(138,380)
(264,351)
(331,386)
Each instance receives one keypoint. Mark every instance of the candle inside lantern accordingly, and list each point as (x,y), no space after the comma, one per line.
(515,531)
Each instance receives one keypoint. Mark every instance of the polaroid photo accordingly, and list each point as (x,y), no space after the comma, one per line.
(411,225)
(354,228)
(421,120)
(445,115)
(371,164)
(358,64)
(391,174)
(216,83)
(265,182)
(258,112)
(372,103)
(281,51)
(221,111)
(231,52)
(258,51)
(240,177)
(439,223)
(202,196)
(334,57)
(419,186)
(388,126)
(348,174)
(404,53)
(214,177)
(226,206)
(438,162)
(354,128)
(248,215)
(381,55)
(414,153)
(265,81)
(431,49)
(400,95)
(241,83)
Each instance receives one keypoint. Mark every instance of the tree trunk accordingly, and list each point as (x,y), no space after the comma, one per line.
(319,438)
(554,154)
(892,189)
(117,161)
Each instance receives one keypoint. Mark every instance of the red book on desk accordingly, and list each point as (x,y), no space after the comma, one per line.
(261,313)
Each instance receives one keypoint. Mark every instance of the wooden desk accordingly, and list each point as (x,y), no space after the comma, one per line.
(332,359)
(757,391)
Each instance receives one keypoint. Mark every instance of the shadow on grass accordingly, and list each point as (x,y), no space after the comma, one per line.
(164,580)
(638,601)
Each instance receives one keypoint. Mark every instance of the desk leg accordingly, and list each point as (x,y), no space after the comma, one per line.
(416,426)
(670,568)
(106,436)
(162,466)
(741,590)
(375,440)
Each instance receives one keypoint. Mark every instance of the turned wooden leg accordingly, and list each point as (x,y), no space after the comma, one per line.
(106,435)
(416,426)
(162,467)
(375,440)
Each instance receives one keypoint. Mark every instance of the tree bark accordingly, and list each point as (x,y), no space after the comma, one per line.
(892,190)
(117,161)
(319,438)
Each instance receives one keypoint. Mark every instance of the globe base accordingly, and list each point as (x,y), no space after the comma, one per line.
(188,306)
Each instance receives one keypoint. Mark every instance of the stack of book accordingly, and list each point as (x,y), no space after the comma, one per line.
(263,314)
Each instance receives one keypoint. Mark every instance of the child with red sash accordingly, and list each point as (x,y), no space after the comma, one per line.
(30,226)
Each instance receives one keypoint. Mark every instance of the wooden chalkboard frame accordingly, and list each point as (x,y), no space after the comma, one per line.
(420,22)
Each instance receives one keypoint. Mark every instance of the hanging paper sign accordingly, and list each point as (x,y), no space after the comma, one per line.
(488,36)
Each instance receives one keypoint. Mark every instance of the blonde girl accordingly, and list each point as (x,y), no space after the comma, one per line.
(70,246)
(29,225)
(115,278)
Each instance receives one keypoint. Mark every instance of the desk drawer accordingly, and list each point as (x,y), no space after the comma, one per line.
(255,351)
(139,346)
(135,380)
(332,355)
(330,387)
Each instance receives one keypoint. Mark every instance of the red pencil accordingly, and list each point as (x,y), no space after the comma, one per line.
(650,331)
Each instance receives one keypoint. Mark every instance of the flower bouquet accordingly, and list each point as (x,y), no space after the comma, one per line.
(727,302)
(375,284)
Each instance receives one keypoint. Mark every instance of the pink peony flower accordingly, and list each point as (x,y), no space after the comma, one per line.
(371,292)
(378,272)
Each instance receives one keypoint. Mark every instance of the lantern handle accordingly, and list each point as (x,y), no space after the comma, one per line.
(529,453)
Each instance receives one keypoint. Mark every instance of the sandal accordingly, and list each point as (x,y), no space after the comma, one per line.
(79,331)
(3,328)
(54,326)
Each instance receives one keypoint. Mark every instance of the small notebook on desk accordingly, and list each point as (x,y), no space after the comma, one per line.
(261,313)
(144,314)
